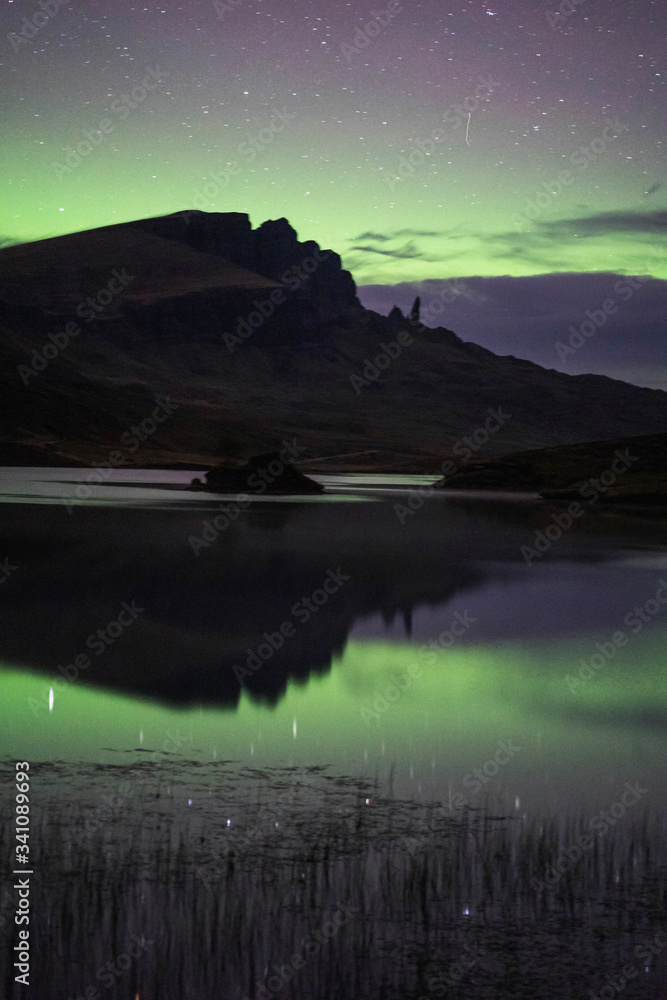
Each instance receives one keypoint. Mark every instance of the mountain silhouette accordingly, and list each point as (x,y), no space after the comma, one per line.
(253,336)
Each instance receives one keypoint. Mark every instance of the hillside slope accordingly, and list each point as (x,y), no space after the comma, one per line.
(621,469)
(254,337)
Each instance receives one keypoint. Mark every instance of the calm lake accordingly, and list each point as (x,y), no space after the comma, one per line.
(388,742)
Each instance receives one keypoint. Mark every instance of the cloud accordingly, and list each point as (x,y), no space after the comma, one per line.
(384,237)
(406,252)
(528,316)
(363,258)
(419,232)
(549,242)
(545,246)
(533,248)
(369,254)
(379,237)
(605,223)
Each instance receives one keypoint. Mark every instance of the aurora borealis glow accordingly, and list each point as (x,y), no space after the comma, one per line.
(367,86)
(520,148)
(343,717)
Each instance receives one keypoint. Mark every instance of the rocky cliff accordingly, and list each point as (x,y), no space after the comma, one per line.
(272,250)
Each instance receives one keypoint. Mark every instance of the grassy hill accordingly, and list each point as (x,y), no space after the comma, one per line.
(621,469)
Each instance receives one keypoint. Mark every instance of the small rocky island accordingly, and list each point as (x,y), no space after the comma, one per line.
(267,473)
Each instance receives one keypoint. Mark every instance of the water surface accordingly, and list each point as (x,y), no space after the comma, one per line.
(412,768)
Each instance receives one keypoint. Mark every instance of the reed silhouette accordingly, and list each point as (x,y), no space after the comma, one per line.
(220,876)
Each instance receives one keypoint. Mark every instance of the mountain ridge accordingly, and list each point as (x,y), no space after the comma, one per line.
(256,336)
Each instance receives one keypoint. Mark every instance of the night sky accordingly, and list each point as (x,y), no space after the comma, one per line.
(420,140)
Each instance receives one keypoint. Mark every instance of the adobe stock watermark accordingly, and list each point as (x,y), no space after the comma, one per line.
(645,951)
(50,350)
(308,948)
(466,447)
(635,621)
(258,481)
(88,309)
(450,290)
(581,158)
(93,138)
(389,352)
(303,611)
(108,974)
(566,9)
(364,36)
(293,278)
(6,570)
(454,118)
(373,369)
(596,318)
(592,490)
(599,826)
(97,642)
(469,957)
(131,440)
(253,144)
(31,26)
(475,780)
(402,682)
(625,288)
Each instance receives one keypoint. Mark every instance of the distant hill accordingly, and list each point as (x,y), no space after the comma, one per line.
(255,337)
(621,469)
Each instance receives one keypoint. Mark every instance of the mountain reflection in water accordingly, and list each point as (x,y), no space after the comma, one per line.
(283,844)
(202,614)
